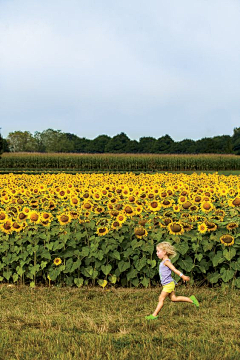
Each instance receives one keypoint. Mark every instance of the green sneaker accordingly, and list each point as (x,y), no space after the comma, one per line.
(151,317)
(194,300)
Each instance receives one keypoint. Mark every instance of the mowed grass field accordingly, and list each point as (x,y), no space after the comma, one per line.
(92,323)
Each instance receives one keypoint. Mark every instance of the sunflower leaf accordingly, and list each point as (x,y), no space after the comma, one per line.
(229,253)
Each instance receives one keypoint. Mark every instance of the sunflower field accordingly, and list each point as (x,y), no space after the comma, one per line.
(89,229)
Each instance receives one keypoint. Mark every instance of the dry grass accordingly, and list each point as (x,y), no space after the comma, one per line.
(69,323)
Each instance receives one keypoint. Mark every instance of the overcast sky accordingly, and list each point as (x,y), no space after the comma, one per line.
(146,68)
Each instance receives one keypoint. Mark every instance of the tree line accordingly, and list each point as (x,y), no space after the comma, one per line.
(51,140)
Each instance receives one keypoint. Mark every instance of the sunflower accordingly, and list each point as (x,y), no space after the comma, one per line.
(207,206)
(139,209)
(16,227)
(20,201)
(197,199)
(125,191)
(167,203)
(182,199)
(34,204)
(34,217)
(234,202)
(140,232)
(101,231)
(131,198)
(57,261)
(211,226)
(121,218)
(220,213)
(6,227)
(193,208)
(175,228)
(129,210)
(154,206)
(3,216)
(186,205)
(64,218)
(86,195)
(232,226)
(87,205)
(6,199)
(22,216)
(227,240)
(163,194)
(45,216)
(116,225)
(51,205)
(104,192)
(187,227)
(176,208)
(232,192)
(97,196)
(74,201)
(142,222)
(165,222)
(202,228)
(63,194)
(99,209)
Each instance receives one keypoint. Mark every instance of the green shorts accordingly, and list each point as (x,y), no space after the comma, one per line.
(169,287)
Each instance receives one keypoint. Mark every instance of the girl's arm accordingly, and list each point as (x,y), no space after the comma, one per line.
(170,265)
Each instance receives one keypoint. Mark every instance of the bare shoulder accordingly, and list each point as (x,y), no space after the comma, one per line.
(169,264)
(167,261)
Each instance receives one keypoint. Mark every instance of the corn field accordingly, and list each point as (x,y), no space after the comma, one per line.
(11,162)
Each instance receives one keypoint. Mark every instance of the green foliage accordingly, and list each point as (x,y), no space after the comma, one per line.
(116,258)
(117,163)
(57,141)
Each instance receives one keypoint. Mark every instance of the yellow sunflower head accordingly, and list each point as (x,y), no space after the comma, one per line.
(57,261)
(16,227)
(207,206)
(154,206)
(211,226)
(234,202)
(227,240)
(202,228)
(102,230)
(232,226)
(175,228)
(34,217)
(121,218)
(6,227)
(116,225)
(129,210)
(3,216)
(74,200)
(64,218)
(140,232)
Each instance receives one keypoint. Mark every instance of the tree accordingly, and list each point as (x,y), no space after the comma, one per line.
(163,145)
(118,144)
(146,144)
(186,146)
(55,141)
(98,144)
(40,147)
(236,140)
(1,144)
(21,141)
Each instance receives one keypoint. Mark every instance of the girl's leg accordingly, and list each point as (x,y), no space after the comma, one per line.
(162,297)
(173,297)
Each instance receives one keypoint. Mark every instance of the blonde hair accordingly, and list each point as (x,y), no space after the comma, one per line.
(166,246)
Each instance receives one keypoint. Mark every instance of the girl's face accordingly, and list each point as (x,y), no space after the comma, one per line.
(161,253)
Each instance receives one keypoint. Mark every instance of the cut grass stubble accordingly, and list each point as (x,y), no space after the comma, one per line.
(92,323)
